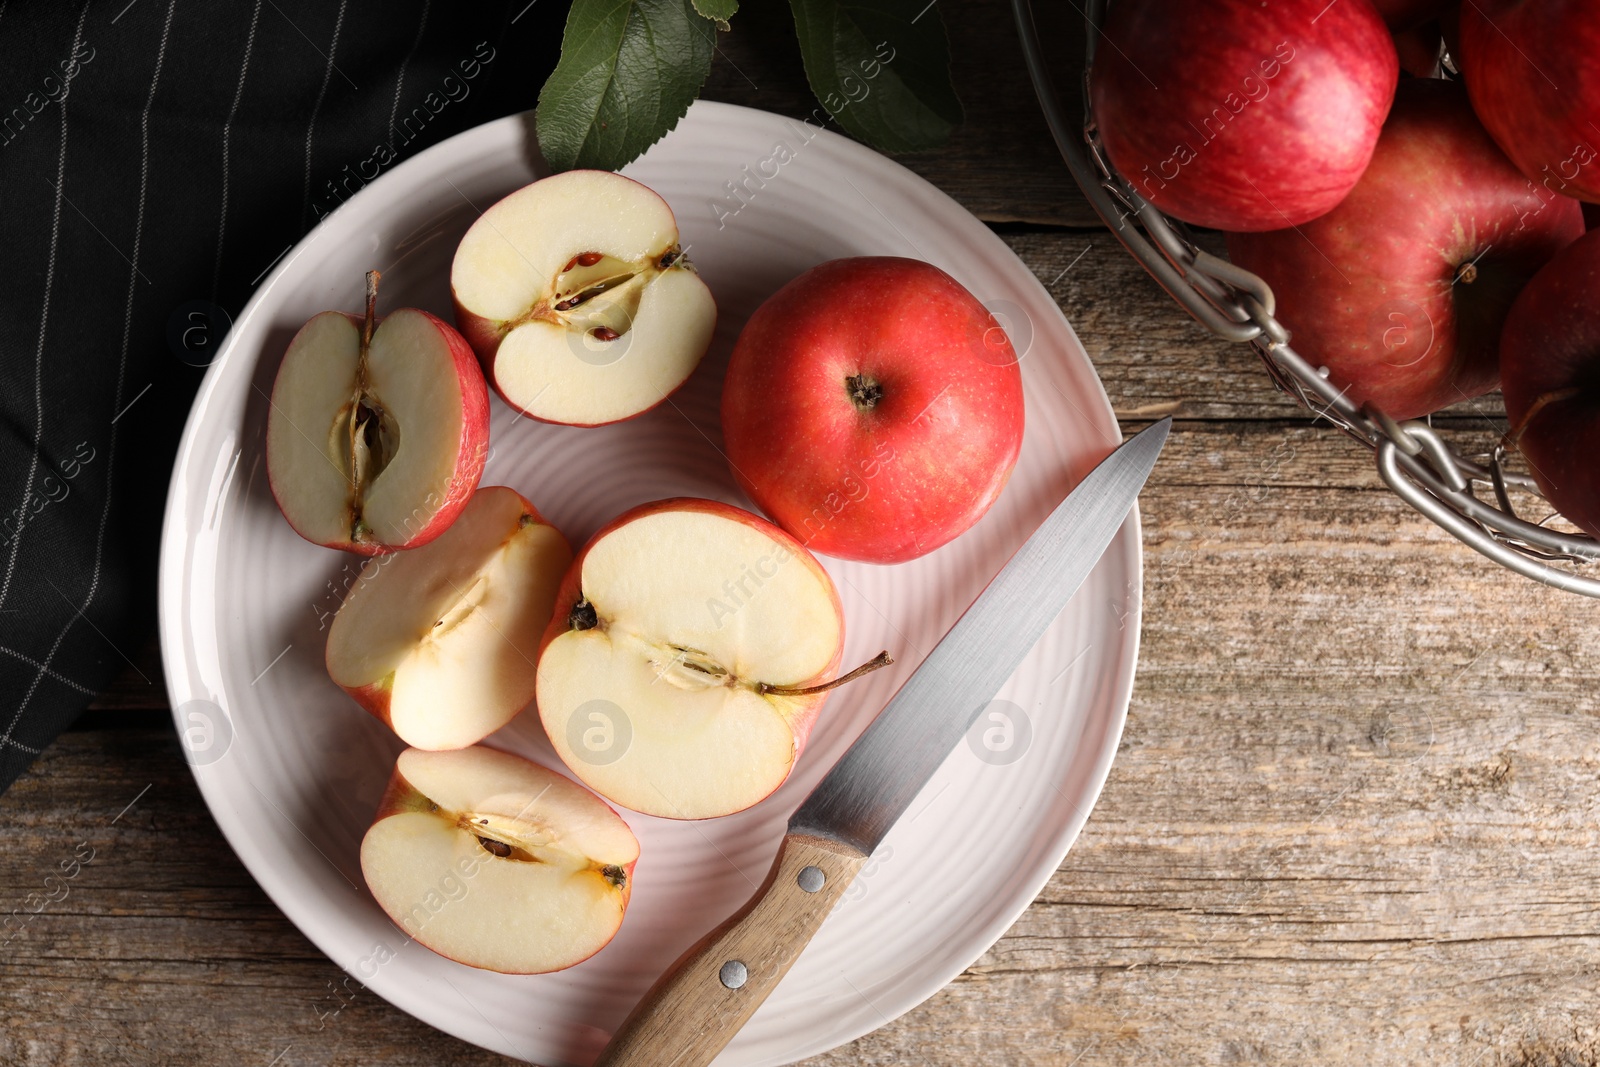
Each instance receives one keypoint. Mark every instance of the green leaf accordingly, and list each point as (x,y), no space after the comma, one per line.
(881,68)
(629,69)
(718,11)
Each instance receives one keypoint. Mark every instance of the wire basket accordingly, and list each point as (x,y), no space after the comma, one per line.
(1413,459)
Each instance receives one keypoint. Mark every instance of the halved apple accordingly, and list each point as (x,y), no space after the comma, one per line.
(576,296)
(376,434)
(690,651)
(441,643)
(496,862)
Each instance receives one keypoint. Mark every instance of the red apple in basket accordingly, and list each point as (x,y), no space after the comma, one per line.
(1533,69)
(496,862)
(873,408)
(441,642)
(376,433)
(692,647)
(578,298)
(1550,374)
(1240,114)
(1401,290)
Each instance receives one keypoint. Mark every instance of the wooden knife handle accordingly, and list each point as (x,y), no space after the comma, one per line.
(693,1010)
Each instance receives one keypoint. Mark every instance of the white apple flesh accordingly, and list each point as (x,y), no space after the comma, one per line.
(683,667)
(496,862)
(578,299)
(377,434)
(441,642)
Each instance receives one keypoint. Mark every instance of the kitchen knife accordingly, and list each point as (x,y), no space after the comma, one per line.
(694,1010)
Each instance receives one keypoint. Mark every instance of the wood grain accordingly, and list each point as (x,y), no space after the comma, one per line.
(1353,820)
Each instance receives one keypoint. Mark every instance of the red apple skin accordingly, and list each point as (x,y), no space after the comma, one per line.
(482,335)
(395,800)
(917,469)
(1239,114)
(474,452)
(1367,289)
(375,698)
(1551,343)
(1531,68)
(471,458)
(572,588)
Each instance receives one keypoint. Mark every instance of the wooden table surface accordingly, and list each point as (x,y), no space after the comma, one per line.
(1354,817)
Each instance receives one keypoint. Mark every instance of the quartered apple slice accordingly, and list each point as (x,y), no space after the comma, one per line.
(377,433)
(690,651)
(578,299)
(496,862)
(440,643)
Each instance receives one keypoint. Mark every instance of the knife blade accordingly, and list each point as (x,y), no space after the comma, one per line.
(693,1010)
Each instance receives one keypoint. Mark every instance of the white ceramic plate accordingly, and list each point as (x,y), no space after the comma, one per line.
(292,769)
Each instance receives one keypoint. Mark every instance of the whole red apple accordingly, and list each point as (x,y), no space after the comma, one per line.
(1550,373)
(1401,290)
(873,408)
(1239,114)
(1531,69)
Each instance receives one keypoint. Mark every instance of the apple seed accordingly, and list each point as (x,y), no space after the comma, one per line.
(589,276)
(583,259)
(498,848)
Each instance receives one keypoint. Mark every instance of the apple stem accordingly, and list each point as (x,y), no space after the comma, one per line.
(1555,396)
(372,308)
(1467,273)
(882,659)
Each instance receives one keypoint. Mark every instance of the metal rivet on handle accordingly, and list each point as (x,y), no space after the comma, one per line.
(733,974)
(811,879)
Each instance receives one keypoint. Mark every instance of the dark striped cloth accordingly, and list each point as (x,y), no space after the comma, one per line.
(156,157)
